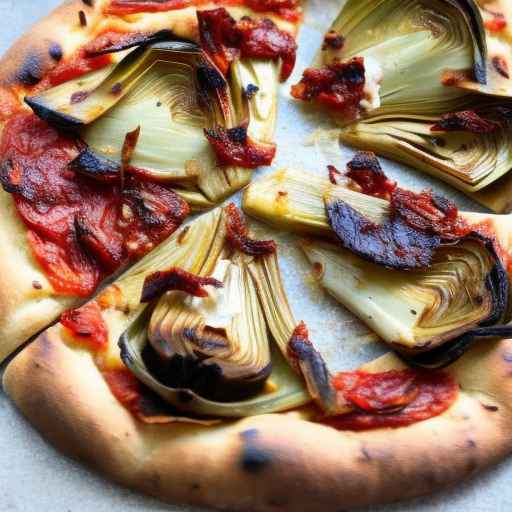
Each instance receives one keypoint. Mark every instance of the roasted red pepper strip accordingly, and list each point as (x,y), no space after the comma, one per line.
(466,121)
(79,229)
(429,213)
(339,86)
(176,279)
(87,325)
(226,39)
(234,147)
(418,396)
(237,235)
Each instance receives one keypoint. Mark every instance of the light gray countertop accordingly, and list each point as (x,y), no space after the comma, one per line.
(34,477)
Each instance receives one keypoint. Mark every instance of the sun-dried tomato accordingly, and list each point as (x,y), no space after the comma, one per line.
(366,171)
(233,147)
(466,121)
(176,279)
(226,39)
(237,235)
(429,213)
(340,86)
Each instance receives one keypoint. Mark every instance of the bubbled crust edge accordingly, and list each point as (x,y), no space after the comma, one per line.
(266,463)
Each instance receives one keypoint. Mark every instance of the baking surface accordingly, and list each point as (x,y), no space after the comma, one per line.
(36,478)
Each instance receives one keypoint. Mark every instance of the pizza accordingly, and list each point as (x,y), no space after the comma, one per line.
(118,126)
(176,365)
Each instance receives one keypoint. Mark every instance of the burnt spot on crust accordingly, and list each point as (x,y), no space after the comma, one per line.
(78,97)
(253,459)
(89,3)
(32,70)
(82,18)
(37,285)
(471,443)
(490,408)
(55,51)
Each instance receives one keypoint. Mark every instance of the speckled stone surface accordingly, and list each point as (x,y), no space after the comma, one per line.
(35,478)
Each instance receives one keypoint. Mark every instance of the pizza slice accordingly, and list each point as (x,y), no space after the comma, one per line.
(119,124)
(217,396)
(430,281)
(426,84)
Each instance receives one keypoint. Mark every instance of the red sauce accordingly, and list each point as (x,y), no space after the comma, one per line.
(429,213)
(287,9)
(497,23)
(234,147)
(339,86)
(126,388)
(392,399)
(226,39)
(87,325)
(79,230)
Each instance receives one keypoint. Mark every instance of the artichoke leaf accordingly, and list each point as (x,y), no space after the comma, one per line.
(289,390)
(413,43)
(461,296)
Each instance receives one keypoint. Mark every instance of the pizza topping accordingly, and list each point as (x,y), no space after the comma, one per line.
(237,235)
(287,9)
(226,39)
(234,147)
(87,326)
(392,399)
(205,345)
(333,40)
(495,21)
(467,121)
(367,174)
(76,229)
(145,405)
(433,312)
(362,401)
(341,86)
(176,279)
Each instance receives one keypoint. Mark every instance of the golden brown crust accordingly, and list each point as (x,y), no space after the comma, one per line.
(25,309)
(266,463)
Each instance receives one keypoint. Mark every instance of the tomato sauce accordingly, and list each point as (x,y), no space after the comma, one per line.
(286,9)
(80,230)
(392,399)
(86,324)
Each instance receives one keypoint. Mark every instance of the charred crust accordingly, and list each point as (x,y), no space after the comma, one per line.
(32,70)
(37,285)
(82,18)
(55,52)
(89,3)
(78,97)
(490,408)
(254,460)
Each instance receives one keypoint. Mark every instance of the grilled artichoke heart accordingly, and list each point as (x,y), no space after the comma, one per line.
(424,62)
(430,312)
(213,356)
(174,92)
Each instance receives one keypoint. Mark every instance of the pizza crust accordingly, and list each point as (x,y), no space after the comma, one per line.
(266,463)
